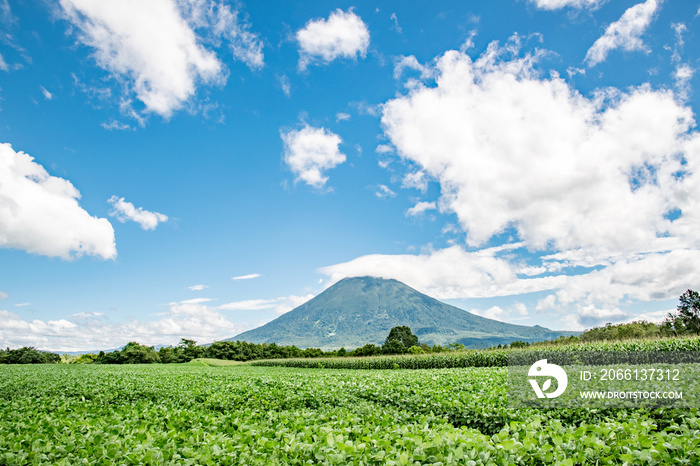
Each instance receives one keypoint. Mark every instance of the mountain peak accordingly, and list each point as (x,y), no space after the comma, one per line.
(360,310)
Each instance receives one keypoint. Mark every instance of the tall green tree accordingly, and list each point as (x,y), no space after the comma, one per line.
(687,317)
(689,310)
(403,335)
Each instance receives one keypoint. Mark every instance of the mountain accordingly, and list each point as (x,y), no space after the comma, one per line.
(361,310)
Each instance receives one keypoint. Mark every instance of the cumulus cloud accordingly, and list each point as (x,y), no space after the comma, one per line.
(410,62)
(192,319)
(148,43)
(280,305)
(4,295)
(420,208)
(157,47)
(590,316)
(310,151)
(40,214)
(195,319)
(647,277)
(247,277)
(124,211)
(447,273)
(624,33)
(512,150)
(416,180)
(342,35)
(682,77)
(607,183)
(558,4)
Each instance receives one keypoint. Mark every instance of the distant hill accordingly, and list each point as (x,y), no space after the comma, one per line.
(357,311)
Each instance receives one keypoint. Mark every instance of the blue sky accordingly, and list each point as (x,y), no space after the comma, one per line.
(196,168)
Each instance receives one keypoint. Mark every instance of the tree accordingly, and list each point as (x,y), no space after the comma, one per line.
(189,350)
(689,311)
(404,335)
(393,347)
(134,353)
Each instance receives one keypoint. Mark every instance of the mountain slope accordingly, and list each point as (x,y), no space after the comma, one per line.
(357,311)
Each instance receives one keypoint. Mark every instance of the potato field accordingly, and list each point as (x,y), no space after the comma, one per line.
(194,414)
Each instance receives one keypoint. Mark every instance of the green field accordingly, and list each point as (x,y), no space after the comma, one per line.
(189,414)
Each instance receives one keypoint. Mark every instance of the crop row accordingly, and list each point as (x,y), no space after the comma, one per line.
(498,357)
(185,414)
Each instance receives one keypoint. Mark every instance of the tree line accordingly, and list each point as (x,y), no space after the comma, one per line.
(27,355)
(685,321)
(401,340)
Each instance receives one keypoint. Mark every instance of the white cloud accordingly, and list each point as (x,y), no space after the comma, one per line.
(3,64)
(384,149)
(655,276)
(245,45)
(157,48)
(608,182)
(384,192)
(40,214)
(416,180)
(494,312)
(124,211)
(197,287)
(653,316)
(518,310)
(149,44)
(447,273)
(396,26)
(280,305)
(342,117)
(342,35)
(114,124)
(192,319)
(401,63)
(247,277)
(511,150)
(558,4)
(682,77)
(420,208)
(285,85)
(624,33)
(590,316)
(4,295)
(22,304)
(47,95)
(310,151)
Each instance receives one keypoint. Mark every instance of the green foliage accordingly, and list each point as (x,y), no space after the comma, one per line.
(393,347)
(367,350)
(164,414)
(415,350)
(132,353)
(28,355)
(486,358)
(402,334)
(632,330)
(687,318)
